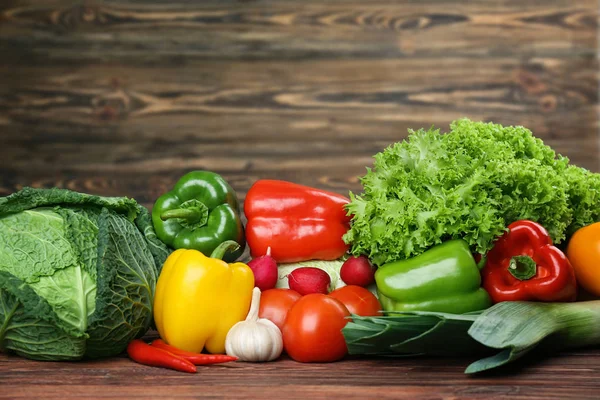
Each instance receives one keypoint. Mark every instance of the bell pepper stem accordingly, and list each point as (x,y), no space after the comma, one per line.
(192,214)
(185,213)
(482,263)
(220,250)
(522,267)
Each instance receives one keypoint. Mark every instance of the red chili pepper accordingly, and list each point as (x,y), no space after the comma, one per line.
(299,223)
(523,265)
(195,358)
(141,352)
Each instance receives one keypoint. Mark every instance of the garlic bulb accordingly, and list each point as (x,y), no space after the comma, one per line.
(254,339)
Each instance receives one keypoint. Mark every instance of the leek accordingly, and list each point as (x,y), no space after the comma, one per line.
(501,334)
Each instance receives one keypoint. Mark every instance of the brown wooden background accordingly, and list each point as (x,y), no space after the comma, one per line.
(123,97)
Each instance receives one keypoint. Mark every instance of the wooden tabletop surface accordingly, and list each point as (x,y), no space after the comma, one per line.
(121,98)
(572,375)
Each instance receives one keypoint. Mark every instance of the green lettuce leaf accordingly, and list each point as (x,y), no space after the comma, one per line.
(469,183)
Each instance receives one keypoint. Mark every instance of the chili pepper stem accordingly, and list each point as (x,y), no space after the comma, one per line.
(228,245)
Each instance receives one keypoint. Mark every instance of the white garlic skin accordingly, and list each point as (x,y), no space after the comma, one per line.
(254,339)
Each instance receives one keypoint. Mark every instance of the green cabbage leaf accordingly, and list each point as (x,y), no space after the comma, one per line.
(77,273)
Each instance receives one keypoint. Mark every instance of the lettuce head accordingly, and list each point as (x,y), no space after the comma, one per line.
(469,183)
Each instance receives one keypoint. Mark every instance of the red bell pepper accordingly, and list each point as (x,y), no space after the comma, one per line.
(298,222)
(523,265)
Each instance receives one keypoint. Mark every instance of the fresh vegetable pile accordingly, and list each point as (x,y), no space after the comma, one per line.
(482,237)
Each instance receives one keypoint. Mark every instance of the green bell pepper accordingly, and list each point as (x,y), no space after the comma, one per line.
(201,212)
(445,278)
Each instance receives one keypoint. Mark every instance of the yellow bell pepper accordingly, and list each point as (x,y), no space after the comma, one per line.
(198,298)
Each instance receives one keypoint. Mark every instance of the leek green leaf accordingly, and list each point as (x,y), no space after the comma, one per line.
(501,334)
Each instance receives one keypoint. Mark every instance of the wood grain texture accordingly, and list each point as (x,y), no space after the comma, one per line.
(316,117)
(121,98)
(568,376)
(315,122)
(155,32)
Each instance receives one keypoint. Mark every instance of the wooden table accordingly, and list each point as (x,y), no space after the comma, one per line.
(572,375)
(121,98)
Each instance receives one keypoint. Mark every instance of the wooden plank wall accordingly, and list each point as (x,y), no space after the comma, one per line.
(123,97)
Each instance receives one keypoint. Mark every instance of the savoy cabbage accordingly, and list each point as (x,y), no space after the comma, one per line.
(77,273)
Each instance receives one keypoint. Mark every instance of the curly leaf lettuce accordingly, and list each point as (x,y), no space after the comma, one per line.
(469,183)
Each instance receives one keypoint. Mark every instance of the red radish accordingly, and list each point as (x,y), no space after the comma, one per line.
(357,271)
(307,280)
(265,271)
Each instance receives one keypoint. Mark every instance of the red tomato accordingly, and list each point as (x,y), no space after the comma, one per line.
(313,329)
(358,300)
(275,304)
